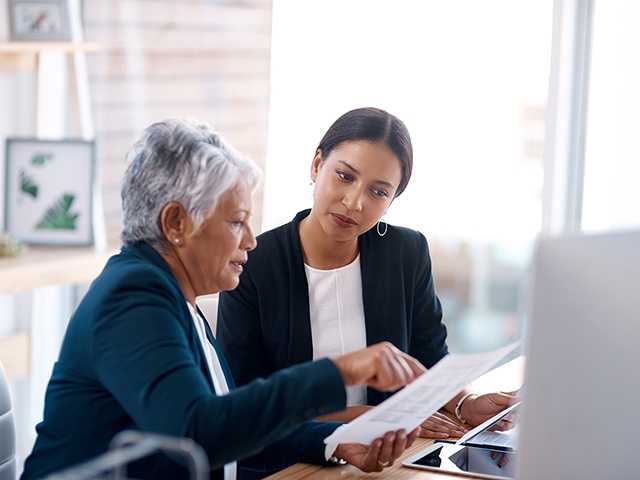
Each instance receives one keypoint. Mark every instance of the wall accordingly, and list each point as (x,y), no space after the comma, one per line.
(196,59)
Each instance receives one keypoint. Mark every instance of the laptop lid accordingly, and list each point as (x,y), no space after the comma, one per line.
(581,413)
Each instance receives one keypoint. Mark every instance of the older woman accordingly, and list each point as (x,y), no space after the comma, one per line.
(139,354)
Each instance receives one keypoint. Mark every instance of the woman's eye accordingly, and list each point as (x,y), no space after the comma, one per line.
(379,193)
(237,224)
(345,177)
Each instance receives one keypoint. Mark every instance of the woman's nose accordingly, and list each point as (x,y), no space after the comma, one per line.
(249,241)
(352,199)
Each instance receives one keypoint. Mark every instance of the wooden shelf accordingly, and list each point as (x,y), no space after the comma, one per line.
(36,47)
(43,266)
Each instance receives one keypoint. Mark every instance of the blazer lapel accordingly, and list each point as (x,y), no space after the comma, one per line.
(374,299)
(371,293)
(300,342)
(223,361)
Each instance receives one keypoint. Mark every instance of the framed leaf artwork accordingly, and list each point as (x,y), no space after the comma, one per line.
(39,20)
(49,191)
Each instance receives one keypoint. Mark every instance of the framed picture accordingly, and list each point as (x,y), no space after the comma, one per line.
(39,20)
(49,191)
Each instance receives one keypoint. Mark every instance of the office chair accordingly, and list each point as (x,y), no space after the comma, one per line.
(129,446)
(7,432)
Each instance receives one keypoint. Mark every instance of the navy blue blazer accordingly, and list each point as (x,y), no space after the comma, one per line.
(131,359)
(264,324)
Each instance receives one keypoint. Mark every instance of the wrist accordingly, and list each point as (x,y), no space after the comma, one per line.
(337,458)
(342,367)
(465,407)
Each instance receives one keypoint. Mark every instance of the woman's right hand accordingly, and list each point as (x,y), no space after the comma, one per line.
(381,366)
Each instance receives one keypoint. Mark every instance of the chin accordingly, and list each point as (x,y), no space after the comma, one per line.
(229,284)
(338,233)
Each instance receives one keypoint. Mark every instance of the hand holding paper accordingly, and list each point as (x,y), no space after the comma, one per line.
(408,408)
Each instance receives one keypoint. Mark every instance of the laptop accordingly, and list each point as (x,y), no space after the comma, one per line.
(580,418)
(581,412)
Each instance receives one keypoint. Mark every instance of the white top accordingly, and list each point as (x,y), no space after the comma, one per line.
(337,316)
(217,375)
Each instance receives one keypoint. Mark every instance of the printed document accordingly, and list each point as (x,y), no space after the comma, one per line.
(408,408)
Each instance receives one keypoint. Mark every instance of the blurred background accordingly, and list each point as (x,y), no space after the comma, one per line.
(480,84)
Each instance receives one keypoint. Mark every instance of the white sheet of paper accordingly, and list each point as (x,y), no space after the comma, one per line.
(416,402)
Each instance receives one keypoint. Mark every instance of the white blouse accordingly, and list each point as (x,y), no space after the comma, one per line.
(337,316)
(217,375)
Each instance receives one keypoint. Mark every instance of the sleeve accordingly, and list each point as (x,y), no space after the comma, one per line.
(304,445)
(429,334)
(238,332)
(142,356)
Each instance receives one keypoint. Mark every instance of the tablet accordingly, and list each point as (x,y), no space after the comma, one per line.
(482,436)
(465,460)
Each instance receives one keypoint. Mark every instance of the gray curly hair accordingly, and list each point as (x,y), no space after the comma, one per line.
(177,161)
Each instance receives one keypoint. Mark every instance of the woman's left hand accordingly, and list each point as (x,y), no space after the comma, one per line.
(382,452)
(476,410)
(438,426)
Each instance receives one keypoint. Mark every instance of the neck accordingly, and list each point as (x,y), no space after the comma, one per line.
(321,251)
(180,273)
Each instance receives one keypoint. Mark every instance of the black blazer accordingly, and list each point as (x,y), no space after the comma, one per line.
(131,359)
(264,324)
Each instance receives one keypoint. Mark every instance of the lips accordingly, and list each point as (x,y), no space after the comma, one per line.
(238,265)
(343,220)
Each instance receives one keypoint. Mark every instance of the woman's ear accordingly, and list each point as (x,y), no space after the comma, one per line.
(315,165)
(175,223)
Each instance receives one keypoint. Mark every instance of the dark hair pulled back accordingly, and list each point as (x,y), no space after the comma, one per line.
(374,125)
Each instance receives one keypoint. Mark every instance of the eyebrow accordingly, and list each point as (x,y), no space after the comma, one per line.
(379,182)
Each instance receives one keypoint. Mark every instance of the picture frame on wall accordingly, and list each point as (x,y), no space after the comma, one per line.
(39,20)
(49,191)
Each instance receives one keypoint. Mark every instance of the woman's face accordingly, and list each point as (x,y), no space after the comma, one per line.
(214,255)
(355,184)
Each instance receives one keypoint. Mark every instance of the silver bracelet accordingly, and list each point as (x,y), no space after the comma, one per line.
(333,460)
(458,410)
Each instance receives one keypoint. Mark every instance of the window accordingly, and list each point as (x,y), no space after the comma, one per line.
(612,162)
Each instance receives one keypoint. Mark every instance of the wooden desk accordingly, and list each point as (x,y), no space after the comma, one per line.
(507,377)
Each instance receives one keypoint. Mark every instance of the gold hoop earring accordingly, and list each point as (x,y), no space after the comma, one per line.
(386,226)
